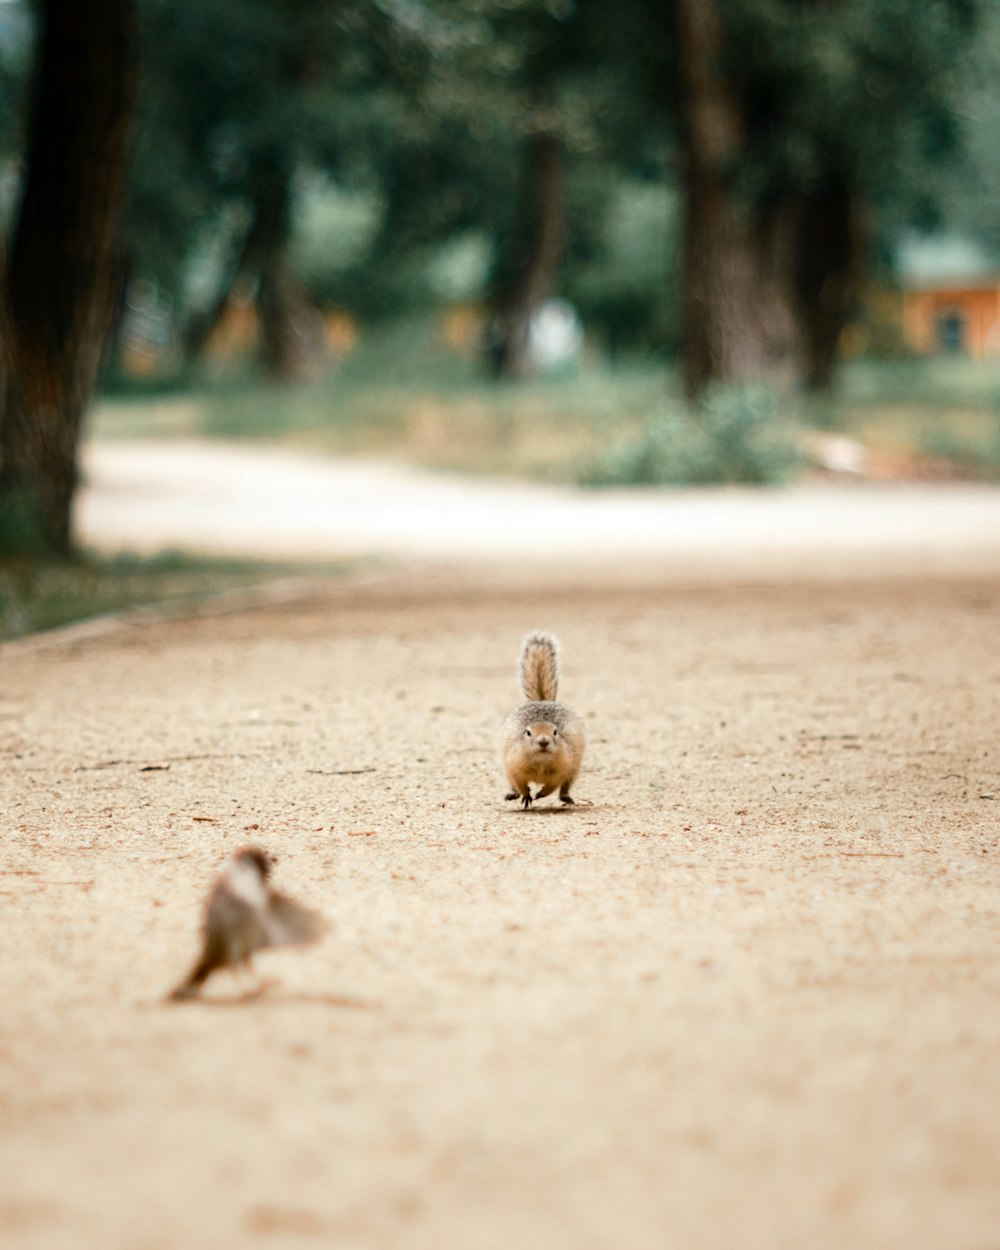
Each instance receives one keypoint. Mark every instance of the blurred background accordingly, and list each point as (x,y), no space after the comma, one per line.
(600,242)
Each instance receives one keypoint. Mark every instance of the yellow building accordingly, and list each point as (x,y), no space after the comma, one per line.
(950,293)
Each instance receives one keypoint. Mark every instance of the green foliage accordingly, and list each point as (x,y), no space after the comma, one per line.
(970,198)
(414,113)
(399,126)
(332,233)
(627,290)
(359,92)
(864,91)
(732,436)
(16,35)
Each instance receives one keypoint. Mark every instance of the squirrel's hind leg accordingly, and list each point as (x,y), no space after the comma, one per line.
(564,795)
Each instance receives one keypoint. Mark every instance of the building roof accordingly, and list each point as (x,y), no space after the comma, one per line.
(944,262)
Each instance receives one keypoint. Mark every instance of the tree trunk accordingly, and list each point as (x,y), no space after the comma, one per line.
(203,325)
(291,333)
(529,270)
(738,259)
(826,278)
(58,298)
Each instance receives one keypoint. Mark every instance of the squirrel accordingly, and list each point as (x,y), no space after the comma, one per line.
(543,739)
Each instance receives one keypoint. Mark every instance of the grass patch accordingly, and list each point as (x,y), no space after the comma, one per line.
(404,395)
(39,595)
(940,410)
(931,384)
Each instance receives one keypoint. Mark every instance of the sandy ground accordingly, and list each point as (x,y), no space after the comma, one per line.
(746,995)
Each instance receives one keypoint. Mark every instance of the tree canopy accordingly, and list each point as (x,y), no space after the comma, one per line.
(716,177)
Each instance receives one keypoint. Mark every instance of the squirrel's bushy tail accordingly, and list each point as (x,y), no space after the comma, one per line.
(539,667)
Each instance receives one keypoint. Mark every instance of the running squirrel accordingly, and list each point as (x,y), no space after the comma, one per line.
(543,740)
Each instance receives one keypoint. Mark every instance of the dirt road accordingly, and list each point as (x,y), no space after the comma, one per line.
(746,996)
(232,499)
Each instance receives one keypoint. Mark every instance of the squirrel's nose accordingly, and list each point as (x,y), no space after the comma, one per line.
(543,742)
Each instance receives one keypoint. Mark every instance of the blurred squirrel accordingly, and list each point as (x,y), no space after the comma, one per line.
(244,914)
(543,740)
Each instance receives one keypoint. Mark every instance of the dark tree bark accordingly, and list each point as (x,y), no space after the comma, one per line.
(63,273)
(738,260)
(203,325)
(291,328)
(768,280)
(529,269)
(826,278)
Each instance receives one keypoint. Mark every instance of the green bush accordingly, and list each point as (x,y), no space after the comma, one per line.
(734,434)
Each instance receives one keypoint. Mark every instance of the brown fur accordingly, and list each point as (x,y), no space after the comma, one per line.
(543,739)
(234,927)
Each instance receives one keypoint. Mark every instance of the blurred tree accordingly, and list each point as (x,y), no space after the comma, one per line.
(248,101)
(971,202)
(229,110)
(423,127)
(580,87)
(737,315)
(457,117)
(543,43)
(803,128)
(623,277)
(16,39)
(63,274)
(528,270)
(798,122)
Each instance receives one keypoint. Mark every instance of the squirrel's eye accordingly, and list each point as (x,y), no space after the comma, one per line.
(555,733)
(527,733)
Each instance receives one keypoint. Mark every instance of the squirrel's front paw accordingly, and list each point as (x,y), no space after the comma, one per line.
(513,795)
